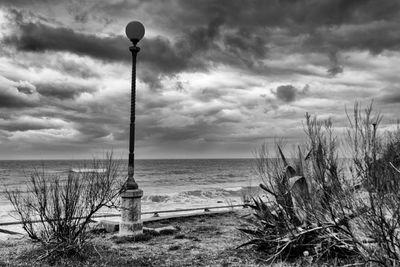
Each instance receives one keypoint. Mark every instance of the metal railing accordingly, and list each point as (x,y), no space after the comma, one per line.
(155,213)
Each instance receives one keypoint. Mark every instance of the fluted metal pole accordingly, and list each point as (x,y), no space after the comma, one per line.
(131,183)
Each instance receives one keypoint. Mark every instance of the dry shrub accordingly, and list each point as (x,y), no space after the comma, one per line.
(311,204)
(63,208)
(314,208)
(376,155)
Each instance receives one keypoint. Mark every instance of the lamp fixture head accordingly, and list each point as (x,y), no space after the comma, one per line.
(134,31)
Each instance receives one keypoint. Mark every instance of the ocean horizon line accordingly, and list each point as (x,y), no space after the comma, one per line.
(89,159)
(81,159)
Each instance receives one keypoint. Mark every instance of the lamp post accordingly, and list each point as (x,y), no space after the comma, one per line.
(131,223)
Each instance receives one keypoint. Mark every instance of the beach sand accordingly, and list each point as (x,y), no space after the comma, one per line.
(204,240)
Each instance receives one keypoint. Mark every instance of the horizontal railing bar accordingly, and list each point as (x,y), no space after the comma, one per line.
(146,212)
(180,210)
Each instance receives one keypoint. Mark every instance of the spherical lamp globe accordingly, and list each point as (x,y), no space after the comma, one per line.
(134,31)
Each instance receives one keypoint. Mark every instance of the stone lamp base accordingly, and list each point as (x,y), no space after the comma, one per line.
(131,223)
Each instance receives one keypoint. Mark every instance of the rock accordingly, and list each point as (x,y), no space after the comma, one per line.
(108,226)
(180,236)
(174,247)
(166,230)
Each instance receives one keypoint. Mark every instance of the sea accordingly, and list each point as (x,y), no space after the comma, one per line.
(166,183)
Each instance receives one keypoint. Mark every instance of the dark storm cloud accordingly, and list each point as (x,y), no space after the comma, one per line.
(89,121)
(248,23)
(248,48)
(287,12)
(367,24)
(17,95)
(374,37)
(391,99)
(91,130)
(40,37)
(246,30)
(160,55)
(12,100)
(24,3)
(234,33)
(289,93)
(62,90)
(390,95)
(244,42)
(37,37)
(26,125)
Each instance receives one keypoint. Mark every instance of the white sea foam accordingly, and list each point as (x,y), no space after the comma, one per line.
(237,188)
(88,170)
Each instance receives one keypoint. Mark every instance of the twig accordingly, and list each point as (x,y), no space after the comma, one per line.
(279,252)
(97,251)
(354,264)
(391,164)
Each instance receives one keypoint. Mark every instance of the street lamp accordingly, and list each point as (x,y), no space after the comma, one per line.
(131,223)
(134,31)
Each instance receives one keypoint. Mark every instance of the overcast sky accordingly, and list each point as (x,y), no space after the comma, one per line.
(215,78)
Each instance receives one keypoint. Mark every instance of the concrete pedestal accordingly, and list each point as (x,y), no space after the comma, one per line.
(131,223)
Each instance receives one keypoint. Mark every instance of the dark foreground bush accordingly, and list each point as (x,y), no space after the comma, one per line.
(313,208)
(305,213)
(56,211)
(376,156)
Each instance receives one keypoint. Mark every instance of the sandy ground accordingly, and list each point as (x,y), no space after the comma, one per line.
(206,240)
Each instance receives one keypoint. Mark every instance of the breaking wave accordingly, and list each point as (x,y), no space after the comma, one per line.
(201,194)
(87,170)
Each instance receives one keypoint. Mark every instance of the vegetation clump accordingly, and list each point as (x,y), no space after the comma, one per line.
(56,211)
(323,207)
